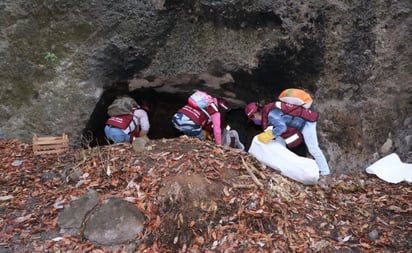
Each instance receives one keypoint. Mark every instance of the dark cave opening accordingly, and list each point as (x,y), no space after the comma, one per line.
(278,69)
(163,106)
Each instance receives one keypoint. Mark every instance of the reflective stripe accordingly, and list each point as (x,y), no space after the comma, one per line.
(278,104)
(291,138)
(224,106)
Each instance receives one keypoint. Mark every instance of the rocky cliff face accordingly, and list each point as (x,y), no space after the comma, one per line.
(63,62)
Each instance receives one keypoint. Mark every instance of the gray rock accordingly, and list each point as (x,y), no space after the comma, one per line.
(114,222)
(373,235)
(71,218)
(386,147)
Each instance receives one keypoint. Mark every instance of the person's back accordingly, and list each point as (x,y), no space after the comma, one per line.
(125,127)
(192,118)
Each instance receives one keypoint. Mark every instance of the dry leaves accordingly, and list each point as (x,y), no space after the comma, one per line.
(198,197)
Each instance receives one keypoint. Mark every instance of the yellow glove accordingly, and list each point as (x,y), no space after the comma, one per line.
(207,135)
(266,136)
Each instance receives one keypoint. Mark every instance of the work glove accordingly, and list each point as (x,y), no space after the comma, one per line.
(266,136)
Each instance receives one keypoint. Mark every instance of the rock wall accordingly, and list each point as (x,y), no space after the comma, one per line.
(59,57)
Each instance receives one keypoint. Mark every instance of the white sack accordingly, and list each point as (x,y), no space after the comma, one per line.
(391,169)
(278,157)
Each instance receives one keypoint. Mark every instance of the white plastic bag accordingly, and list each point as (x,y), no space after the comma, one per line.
(278,157)
(391,169)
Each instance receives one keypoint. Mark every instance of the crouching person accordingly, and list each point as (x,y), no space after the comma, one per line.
(290,125)
(200,112)
(126,127)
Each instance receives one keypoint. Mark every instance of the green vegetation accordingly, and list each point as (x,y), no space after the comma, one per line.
(50,57)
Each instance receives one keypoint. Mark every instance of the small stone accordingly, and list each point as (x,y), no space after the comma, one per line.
(373,235)
(139,144)
(74,175)
(386,147)
(408,140)
(199,240)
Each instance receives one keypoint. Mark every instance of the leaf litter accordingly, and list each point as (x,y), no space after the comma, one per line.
(198,197)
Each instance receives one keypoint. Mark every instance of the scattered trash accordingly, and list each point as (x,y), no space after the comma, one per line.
(5,198)
(347,238)
(16,163)
(56,239)
(391,169)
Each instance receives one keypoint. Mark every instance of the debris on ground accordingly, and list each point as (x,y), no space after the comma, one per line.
(197,197)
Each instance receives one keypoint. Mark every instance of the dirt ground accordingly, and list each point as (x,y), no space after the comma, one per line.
(198,197)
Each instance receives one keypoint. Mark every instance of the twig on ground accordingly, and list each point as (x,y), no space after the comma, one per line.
(254,178)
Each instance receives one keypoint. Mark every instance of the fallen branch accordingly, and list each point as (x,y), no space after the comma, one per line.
(261,174)
(243,186)
(254,178)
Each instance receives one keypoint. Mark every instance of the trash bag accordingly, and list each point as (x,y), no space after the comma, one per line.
(278,157)
(391,169)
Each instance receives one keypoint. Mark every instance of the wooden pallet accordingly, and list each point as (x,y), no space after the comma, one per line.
(50,145)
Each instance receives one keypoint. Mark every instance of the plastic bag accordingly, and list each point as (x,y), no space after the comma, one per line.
(391,169)
(289,164)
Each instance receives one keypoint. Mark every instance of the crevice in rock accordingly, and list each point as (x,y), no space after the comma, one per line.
(233,15)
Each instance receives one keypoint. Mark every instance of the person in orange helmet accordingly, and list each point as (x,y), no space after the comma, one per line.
(289,124)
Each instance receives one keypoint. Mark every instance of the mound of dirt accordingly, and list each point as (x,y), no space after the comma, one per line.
(198,197)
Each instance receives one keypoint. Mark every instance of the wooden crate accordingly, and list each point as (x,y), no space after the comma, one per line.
(50,145)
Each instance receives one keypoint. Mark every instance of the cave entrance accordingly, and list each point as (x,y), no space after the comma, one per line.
(278,69)
(163,106)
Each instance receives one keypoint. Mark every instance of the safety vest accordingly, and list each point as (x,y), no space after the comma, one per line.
(126,121)
(293,137)
(121,121)
(198,116)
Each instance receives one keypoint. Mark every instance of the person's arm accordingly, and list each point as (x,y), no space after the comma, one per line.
(143,121)
(279,125)
(217,131)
